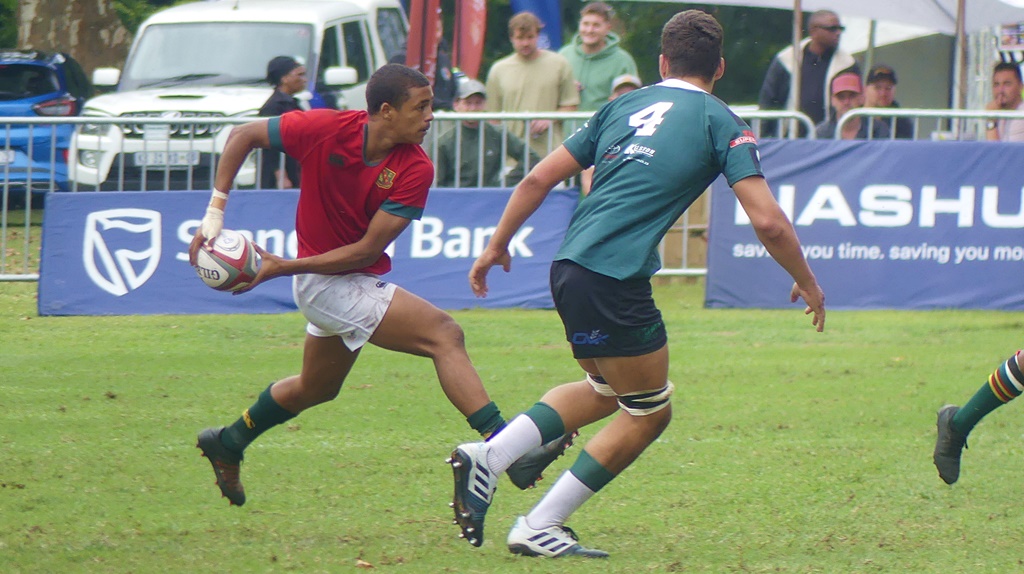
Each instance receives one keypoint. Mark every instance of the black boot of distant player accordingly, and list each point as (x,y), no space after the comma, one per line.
(224,446)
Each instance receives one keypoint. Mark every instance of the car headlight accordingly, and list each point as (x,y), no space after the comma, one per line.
(94,129)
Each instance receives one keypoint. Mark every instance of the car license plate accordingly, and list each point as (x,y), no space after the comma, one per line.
(166,158)
(6,156)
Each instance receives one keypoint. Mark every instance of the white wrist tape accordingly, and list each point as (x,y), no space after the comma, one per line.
(218,195)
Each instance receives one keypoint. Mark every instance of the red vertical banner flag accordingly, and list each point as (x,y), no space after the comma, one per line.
(421,48)
(468,42)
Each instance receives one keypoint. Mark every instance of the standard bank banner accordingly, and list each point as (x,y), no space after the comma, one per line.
(127,253)
(893,224)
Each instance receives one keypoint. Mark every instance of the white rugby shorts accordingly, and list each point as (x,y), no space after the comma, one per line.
(348,306)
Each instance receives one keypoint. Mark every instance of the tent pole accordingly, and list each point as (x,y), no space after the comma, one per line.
(961,55)
(798,57)
(869,56)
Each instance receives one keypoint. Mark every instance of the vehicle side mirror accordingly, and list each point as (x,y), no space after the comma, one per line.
(340,76)
(106,77)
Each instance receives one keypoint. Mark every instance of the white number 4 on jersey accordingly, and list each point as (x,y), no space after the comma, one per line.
(648,119)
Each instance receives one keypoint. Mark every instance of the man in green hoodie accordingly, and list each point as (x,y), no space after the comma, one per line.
(596,56)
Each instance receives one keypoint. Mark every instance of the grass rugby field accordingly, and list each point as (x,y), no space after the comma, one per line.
(790,451)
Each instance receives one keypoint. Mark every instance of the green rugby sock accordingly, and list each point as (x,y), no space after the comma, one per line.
(487,421)
(548,421)
(1004,385)
(263,415)
(590,472)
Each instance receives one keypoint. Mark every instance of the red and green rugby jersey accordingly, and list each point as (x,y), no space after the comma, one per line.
(655,150)
(340,192)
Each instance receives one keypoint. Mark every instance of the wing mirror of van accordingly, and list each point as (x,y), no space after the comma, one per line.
(106,77)
(340,76)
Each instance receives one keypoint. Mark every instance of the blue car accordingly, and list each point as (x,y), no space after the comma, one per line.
(33,158)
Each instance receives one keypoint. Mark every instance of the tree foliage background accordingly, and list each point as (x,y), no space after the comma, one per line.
(753,35)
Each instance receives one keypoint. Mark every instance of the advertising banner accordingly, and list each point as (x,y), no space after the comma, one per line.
(883,224)
(127,253)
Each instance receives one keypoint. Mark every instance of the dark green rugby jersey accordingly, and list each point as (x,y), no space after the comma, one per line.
(655,150)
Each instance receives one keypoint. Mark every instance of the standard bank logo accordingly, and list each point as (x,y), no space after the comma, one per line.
(121,248)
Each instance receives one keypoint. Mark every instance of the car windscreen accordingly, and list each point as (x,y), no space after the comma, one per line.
(212,53)
(23,81)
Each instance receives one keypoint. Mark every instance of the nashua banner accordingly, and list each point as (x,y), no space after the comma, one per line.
(127,253)
(884,224)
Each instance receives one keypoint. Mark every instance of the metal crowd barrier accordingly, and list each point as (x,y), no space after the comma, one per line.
(780,124)
(163,153)
(936,125)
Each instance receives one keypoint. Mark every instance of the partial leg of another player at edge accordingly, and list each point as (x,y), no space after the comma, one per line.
(409,325)
(955,423)
(637,385)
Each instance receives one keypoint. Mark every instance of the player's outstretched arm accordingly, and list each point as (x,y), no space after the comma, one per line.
(558,166)
(776,232)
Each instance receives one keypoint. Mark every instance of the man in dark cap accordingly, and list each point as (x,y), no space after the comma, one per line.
(880,92)
(288,77)
(459,149)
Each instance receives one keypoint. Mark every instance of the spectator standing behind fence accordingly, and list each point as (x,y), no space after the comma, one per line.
(847,94)
(532,79)
(1006,95)
(880,92)
(821,61)
(596,56)
(460,147)
(288,77)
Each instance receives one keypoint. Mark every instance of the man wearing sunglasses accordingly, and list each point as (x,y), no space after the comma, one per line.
(821,62)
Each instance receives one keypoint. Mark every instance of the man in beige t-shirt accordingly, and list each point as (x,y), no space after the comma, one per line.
(532,80)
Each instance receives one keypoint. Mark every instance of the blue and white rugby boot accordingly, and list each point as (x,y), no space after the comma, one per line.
(552,542)
(475,484)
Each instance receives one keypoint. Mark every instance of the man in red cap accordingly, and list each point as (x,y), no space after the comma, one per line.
(847,94)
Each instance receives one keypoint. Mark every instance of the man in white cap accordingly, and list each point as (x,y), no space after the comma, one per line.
(624,83)
(459,163)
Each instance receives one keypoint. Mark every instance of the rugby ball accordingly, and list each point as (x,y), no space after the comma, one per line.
(232,263)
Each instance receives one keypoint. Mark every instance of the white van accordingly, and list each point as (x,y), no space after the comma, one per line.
(209,60)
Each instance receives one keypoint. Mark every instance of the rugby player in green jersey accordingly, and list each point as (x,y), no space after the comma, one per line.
(655,150)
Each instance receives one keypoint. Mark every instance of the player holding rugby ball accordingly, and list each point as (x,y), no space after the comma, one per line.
(364,179)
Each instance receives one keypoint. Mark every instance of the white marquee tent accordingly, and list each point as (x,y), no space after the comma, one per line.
(937,15)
